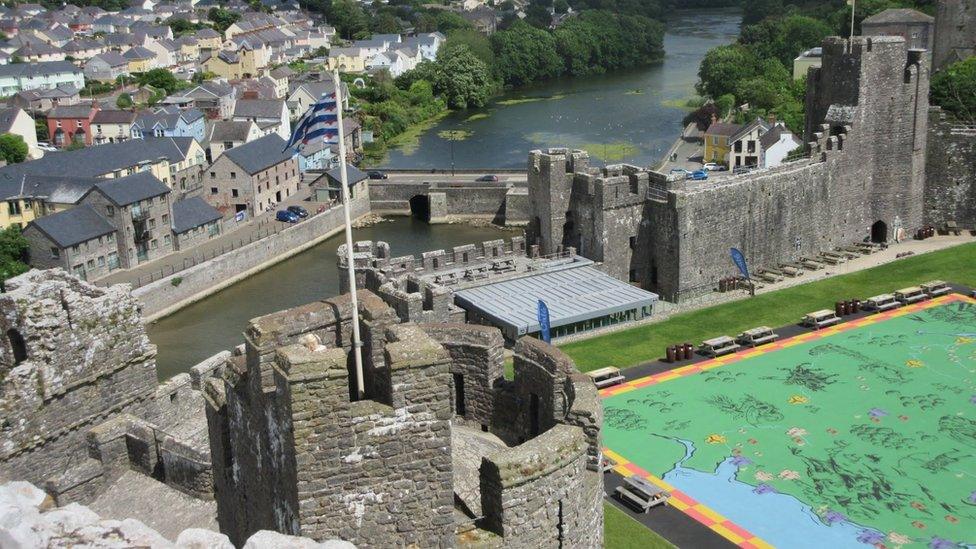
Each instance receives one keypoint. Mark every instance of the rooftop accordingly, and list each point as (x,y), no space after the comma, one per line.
(191,213)
(131,189)
(260,154)
(898,15)
(74,226)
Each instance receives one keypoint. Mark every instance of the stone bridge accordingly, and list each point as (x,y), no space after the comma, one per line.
(436,195)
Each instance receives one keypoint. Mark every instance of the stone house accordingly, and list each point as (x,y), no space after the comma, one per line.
(28,76)
(112,126)
(208,39)
(917,28)
(78,240)
(138,206)
(40,101)
(194,222)
(252,177)
(271,115)
(227,134)
(16,121)
(72,124)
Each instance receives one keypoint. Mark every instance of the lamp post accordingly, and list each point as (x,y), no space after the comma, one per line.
(453,138)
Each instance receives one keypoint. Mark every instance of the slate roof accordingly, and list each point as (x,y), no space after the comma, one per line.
(111,58)
(772,136)
(64,90)
(229,130)
(70,111)
(74,226)
(36,48)
(7,117)
(38,69)
(114,117)
(101,159)
(191,213)
(260,154)
(139,52)
(258,108)
(59,190)
(353,175)
(132,188)
(898,15)
(721,128)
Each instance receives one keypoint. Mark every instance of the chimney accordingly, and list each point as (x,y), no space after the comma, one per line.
(714,118)
(771,118)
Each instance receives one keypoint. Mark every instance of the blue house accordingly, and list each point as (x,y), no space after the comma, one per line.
(170,122)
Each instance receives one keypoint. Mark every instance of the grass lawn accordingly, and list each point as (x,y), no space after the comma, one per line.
(622,532)
(648,342)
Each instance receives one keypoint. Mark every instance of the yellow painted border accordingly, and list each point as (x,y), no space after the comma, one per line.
(682,501)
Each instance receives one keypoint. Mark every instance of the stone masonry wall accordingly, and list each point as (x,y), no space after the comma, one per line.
(950,178)
(72,356)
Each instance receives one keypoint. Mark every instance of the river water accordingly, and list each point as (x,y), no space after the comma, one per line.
(631,116)
(627,116)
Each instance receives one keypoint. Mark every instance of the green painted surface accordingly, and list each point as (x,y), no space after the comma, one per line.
(877,423)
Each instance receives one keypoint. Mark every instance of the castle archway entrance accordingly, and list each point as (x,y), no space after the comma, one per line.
(420,207)
(879,232)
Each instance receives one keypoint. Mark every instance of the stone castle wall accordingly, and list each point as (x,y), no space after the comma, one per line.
(950,179)
(867,113)
(312,460)
(954,36)
(480,199)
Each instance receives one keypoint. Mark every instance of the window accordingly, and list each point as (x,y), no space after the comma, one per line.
(213,175)
(153,244)
(75,248)
(91,263)
(213,190)
(234,193)
(110,238)
(152,224)
(633,242)
(233,175)
(165,218)
(113,260)
(110,211)
(55,253)
(166,240)
(101,261)
(13,206)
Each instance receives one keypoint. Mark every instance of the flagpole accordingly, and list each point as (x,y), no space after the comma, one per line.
(853,7)
(350,265)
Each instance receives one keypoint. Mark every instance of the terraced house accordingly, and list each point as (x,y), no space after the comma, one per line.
(252,177)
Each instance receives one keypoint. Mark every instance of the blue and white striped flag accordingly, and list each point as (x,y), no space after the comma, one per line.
(321,120)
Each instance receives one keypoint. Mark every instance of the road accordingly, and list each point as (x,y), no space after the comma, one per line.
(439,177)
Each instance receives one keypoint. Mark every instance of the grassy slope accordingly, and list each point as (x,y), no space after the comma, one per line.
(648,342)
(623,532)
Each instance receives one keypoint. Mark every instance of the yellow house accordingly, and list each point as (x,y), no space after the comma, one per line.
(347,59)
(245,62)
(717,146)
(36,196)
(140,59)
(208,39)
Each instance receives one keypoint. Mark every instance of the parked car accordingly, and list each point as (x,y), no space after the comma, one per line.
(681,171)
(698,175)
(491,178)
(286,216)
(713,167)
(298,210)
(742,169)
(47,147)
(377,175)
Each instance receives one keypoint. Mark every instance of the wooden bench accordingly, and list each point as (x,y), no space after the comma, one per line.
(810,264)
(605,377)
(757,336)
(791,271)
(880,303)
(952,227)
(820,319)
(935,288)
(718,346)
(640,494)
(909,295)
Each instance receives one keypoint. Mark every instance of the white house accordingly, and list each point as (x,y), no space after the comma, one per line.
(18,122)
(427,44)
(16,77)
(776,144)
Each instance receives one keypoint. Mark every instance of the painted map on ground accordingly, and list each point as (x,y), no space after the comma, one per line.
(861,435)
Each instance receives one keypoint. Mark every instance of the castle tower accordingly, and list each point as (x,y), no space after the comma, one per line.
(955,32)
(550,190)
(872,93)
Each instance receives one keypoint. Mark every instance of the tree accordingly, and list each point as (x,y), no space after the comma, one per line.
(560,6)
(40,127)
(222,18)
(723,68)
(159,78)
(124,101)
(13,149)
(525,54)
(181,27)
(754,11)
(954,89)
(13,253)
(462,79)
(348,17)
(448,21)
(386,23)
(475,41)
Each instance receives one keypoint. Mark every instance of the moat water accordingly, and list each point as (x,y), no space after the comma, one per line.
(217,322)
(630,117)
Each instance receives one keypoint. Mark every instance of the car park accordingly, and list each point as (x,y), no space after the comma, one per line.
(287,216)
